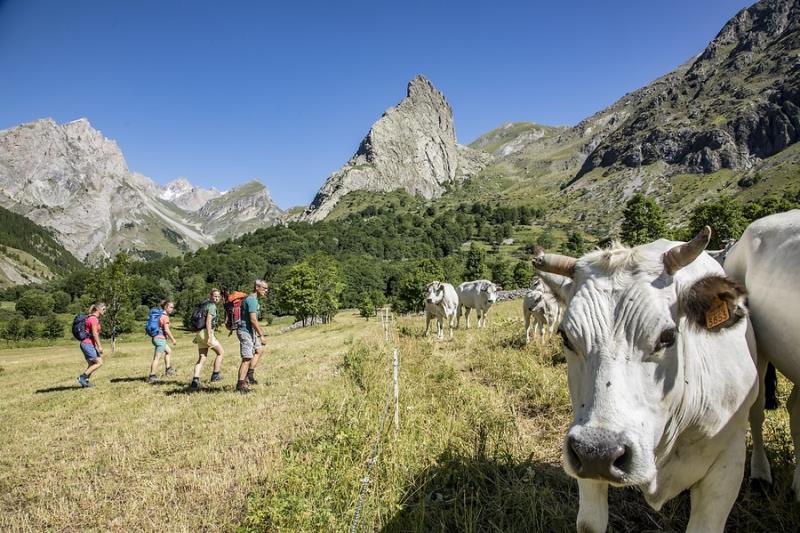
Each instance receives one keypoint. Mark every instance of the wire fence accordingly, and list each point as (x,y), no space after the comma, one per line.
(392,396)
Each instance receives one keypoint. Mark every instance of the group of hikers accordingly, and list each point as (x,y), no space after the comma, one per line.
(241,316)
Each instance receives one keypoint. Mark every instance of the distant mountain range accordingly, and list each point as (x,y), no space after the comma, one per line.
(725,122)
(72,180)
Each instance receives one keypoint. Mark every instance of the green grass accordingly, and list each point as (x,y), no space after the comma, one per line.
(478,446)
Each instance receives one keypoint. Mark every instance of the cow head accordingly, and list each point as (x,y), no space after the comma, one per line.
(489,290)
(634,320)
(434,292)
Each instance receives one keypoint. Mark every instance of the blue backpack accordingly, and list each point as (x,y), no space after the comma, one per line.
(79,327)
(152,327)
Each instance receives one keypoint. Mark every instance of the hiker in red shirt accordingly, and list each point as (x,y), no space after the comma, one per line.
(90,345)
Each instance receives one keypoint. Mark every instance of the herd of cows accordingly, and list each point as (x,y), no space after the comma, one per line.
(666,345)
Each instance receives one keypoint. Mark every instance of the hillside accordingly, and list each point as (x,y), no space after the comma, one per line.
(28,252)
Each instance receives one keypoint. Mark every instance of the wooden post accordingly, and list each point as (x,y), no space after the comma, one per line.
(395,363)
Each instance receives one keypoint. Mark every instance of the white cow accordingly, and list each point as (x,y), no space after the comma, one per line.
(660,378)
(441,303)
(766,260)
(479,295)
(541,310)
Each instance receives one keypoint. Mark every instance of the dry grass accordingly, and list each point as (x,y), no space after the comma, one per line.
(478,448)
(126,455)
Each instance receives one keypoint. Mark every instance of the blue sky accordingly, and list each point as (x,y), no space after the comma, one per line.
(284,91)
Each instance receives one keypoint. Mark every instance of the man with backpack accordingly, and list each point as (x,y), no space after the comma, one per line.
(204,321)
(158,328)
(251,337)
(86,328)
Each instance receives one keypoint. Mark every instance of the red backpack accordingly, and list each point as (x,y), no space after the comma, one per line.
(233,309)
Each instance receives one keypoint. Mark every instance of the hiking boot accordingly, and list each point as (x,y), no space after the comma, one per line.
(243,387)
(195,383)
(152,378)
(251,379)
(83,381)
(170,372)
(216,376)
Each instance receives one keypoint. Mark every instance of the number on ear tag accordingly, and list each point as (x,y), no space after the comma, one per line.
(717,315)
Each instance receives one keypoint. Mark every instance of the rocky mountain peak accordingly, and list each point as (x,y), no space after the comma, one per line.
(412,146)
(738,102)
(182,193)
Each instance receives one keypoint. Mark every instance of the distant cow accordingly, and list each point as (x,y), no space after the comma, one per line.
(660,377)
(541,310)
(441,303)
(766,260)
(479,295)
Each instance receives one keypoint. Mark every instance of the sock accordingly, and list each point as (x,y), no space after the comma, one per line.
(250,373)
(195,379)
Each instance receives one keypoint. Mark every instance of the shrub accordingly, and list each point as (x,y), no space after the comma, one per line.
(34,302)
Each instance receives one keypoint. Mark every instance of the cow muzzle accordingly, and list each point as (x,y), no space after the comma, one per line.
(595,453)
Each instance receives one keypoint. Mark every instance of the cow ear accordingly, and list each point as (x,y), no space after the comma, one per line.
(715,302)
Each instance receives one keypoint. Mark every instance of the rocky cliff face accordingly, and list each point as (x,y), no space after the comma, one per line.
(738,101)
(412,147)
(186,196)
(72,180)
(240,210)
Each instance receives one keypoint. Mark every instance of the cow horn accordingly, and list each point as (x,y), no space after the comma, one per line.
(682,255)
(554,263)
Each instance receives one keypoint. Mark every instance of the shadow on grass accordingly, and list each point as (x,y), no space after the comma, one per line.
(58,389)
(128,380)
(202,390)
(462,493)
(480,493)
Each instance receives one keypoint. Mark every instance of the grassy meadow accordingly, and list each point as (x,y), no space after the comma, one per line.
(482,417)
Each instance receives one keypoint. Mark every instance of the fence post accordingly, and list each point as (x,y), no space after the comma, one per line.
(395,363)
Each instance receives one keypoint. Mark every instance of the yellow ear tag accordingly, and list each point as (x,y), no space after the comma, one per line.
(717,315)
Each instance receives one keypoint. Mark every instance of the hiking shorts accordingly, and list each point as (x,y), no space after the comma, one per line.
(160,344)
(89,352)
(249,343)
(204,342)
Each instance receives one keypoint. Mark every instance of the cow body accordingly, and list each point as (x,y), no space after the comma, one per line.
(479,295)
(541,310)
(659,400)
(441,303)
(767,261)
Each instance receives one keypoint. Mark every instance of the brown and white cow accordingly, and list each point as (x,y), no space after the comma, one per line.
(660,377)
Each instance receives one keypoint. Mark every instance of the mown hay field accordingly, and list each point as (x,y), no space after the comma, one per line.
(482,417)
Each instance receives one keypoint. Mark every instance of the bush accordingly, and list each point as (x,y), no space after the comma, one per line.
(12,330)
(31,329)
(60,301)
(53,329)
(34,302)
(142,312)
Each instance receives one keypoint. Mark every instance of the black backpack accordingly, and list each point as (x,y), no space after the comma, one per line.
(198,320)
(79,327)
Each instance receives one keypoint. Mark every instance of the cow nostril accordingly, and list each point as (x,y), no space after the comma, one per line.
(574,456)
(623,458)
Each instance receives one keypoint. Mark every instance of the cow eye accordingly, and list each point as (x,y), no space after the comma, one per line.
(565,340)
(667,338)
